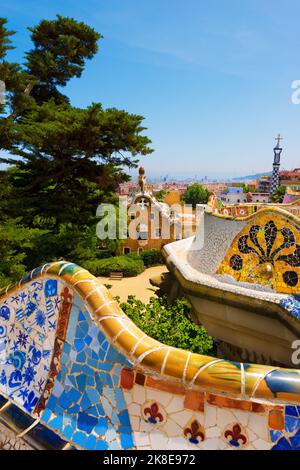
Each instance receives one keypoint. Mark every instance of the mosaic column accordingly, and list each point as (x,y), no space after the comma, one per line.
(276,165)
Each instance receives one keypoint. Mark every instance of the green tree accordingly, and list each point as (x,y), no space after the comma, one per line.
(160,195)
(19,245)
(63,160)
(278,195)
(247,189)
(196,194)
(169,324)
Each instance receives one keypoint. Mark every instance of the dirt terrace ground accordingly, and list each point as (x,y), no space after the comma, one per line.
(138,286)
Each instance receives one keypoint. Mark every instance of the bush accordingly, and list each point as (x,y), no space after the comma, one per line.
(152,258)
(169,324)
(103,267)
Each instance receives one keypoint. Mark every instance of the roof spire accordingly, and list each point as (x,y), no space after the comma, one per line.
(278,138)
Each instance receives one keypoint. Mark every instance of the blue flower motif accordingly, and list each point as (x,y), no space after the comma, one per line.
(22,339)
(18,359)
(40,318)
(30,402)
(4,312)
(28,375)
(2,378)
(36,355)
(23,393)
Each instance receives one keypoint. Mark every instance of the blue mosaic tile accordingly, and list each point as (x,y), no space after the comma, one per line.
(292,411)
(101,426)
(126,441)
(282,444)
(101,445)
(87,380)
(292,305)
(79,438)
(86,422)
(291,424)
(295,440)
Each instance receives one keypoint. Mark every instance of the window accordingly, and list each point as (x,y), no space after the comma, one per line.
(143,236)
(140,250)
(126,250)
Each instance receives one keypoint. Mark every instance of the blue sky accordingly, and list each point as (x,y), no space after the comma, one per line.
(212,78)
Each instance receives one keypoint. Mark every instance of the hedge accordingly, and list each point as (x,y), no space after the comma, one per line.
(103,267)
(152,258)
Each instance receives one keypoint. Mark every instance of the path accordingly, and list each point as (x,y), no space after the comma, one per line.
(138,285)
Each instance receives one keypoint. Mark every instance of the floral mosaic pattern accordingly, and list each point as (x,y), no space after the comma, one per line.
(194,432)
(28,321)
(153,413)
(267,252)
(235,436)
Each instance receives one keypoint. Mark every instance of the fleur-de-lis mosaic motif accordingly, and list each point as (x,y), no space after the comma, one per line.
(194,433)
(152,414)
(235,437)
(267,253)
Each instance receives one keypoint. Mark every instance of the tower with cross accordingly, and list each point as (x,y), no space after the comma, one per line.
(276,165)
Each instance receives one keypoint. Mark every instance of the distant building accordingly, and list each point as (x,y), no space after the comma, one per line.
(258,197)
(290,178)
(233,195)
(263,184)
(151,234)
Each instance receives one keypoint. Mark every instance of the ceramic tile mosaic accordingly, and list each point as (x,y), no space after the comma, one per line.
(289,437)
(266,252)
(292,305)
(80,368)
(86,405)
(28,321)
(244,210)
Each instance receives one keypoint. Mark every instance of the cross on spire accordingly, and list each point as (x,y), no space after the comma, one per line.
(278,138)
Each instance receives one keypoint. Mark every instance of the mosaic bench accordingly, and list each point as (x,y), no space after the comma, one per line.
(76,373)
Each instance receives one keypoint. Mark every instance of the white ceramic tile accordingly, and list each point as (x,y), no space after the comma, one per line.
(157,395)
(141,439)
(176,404)
(139,395)
(258,423)
(210,413)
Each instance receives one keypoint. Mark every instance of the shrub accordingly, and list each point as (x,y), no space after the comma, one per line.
(152,258)
(169,324)
(103,267)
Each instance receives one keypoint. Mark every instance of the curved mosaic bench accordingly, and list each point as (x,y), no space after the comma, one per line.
(242,210)
(75,372)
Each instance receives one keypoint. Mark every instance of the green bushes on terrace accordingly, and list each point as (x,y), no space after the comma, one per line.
(130,265)
(170,324)
(125,264)
(152,258)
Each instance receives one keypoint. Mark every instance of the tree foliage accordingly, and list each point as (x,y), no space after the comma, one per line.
(278,195)
(63,161)
(196,194)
